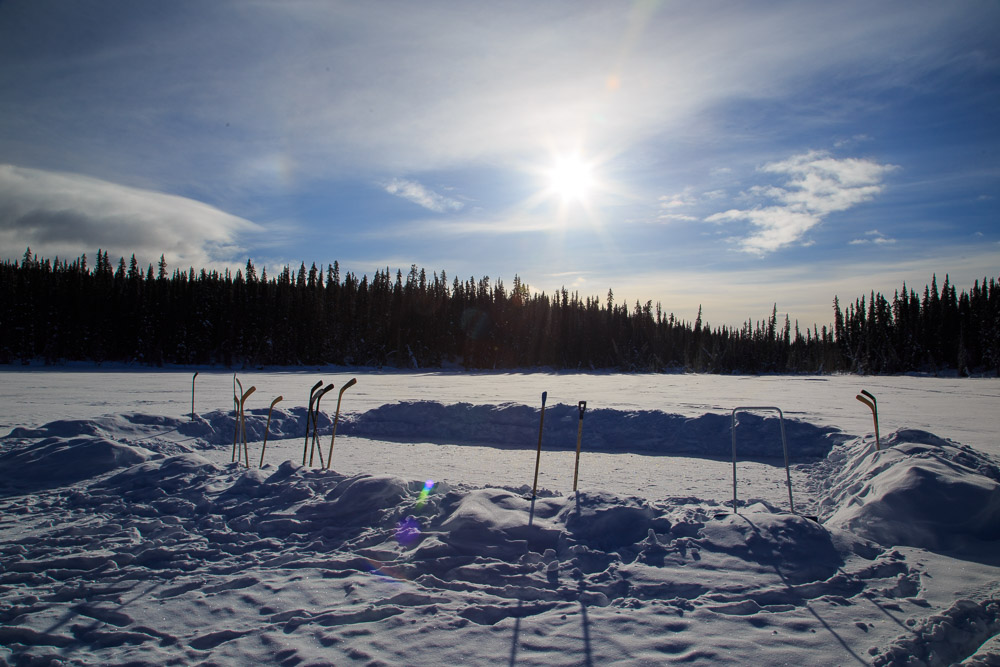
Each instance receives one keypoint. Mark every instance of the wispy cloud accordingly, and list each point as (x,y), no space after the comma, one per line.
(673,207)
(422,196)
(850,141)
(815,186)
(680,199)
(873,236)
(470,223)
(68,215)
(676,217)
(423,87)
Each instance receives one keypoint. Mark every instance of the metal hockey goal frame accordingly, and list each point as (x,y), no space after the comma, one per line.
(784,447)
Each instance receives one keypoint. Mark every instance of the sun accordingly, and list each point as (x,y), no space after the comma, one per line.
(570,178)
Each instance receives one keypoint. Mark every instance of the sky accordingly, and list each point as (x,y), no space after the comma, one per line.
(733,156)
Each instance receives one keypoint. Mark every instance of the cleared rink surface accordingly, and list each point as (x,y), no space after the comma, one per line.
(963,409)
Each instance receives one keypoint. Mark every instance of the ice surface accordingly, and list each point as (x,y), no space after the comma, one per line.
(130,536)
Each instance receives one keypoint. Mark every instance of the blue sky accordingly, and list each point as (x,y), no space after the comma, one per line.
(732,155)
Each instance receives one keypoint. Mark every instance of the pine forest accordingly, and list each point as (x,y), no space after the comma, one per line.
(59,311)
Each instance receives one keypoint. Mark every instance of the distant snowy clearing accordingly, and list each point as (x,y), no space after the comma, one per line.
(128,535)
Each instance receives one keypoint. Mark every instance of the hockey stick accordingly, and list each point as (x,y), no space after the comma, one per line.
(243,423)
(309,419)
(236,410)
(312,450)
(538,456)
(873,406)
(266,429)
(579,435)
(336,417)
(193,415)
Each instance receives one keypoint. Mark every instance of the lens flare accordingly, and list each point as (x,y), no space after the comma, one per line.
(426,491)
(408,531)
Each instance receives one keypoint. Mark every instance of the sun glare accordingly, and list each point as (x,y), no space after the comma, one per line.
(570,178)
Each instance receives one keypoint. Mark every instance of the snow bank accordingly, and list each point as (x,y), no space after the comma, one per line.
(218,427)
(213,428)
(57,461)
(609,430)
(507,425)
(919,490)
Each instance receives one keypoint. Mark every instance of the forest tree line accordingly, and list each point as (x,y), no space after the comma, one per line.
(60,310)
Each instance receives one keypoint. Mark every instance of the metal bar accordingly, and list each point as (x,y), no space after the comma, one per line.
(784,447)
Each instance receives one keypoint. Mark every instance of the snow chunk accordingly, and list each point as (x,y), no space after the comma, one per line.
(151,479)
(499,522)
(607,522)
(799,548)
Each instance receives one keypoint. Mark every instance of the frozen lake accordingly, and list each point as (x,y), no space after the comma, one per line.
(963,409)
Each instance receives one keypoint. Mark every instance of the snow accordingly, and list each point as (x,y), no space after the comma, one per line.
(919,491)
(128,534)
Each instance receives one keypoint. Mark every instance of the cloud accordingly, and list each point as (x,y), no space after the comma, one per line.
(685,199)
(470,223)
(68,215)
(873,236)
(823,184)
(679,200)
(815,186)
(776,226)
(856,139)
(422,196)
(337,89)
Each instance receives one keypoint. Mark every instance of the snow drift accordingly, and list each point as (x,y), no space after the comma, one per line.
(507,425)
(647,431)
(919,490)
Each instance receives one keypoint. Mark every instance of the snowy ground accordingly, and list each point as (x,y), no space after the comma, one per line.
(128,536)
